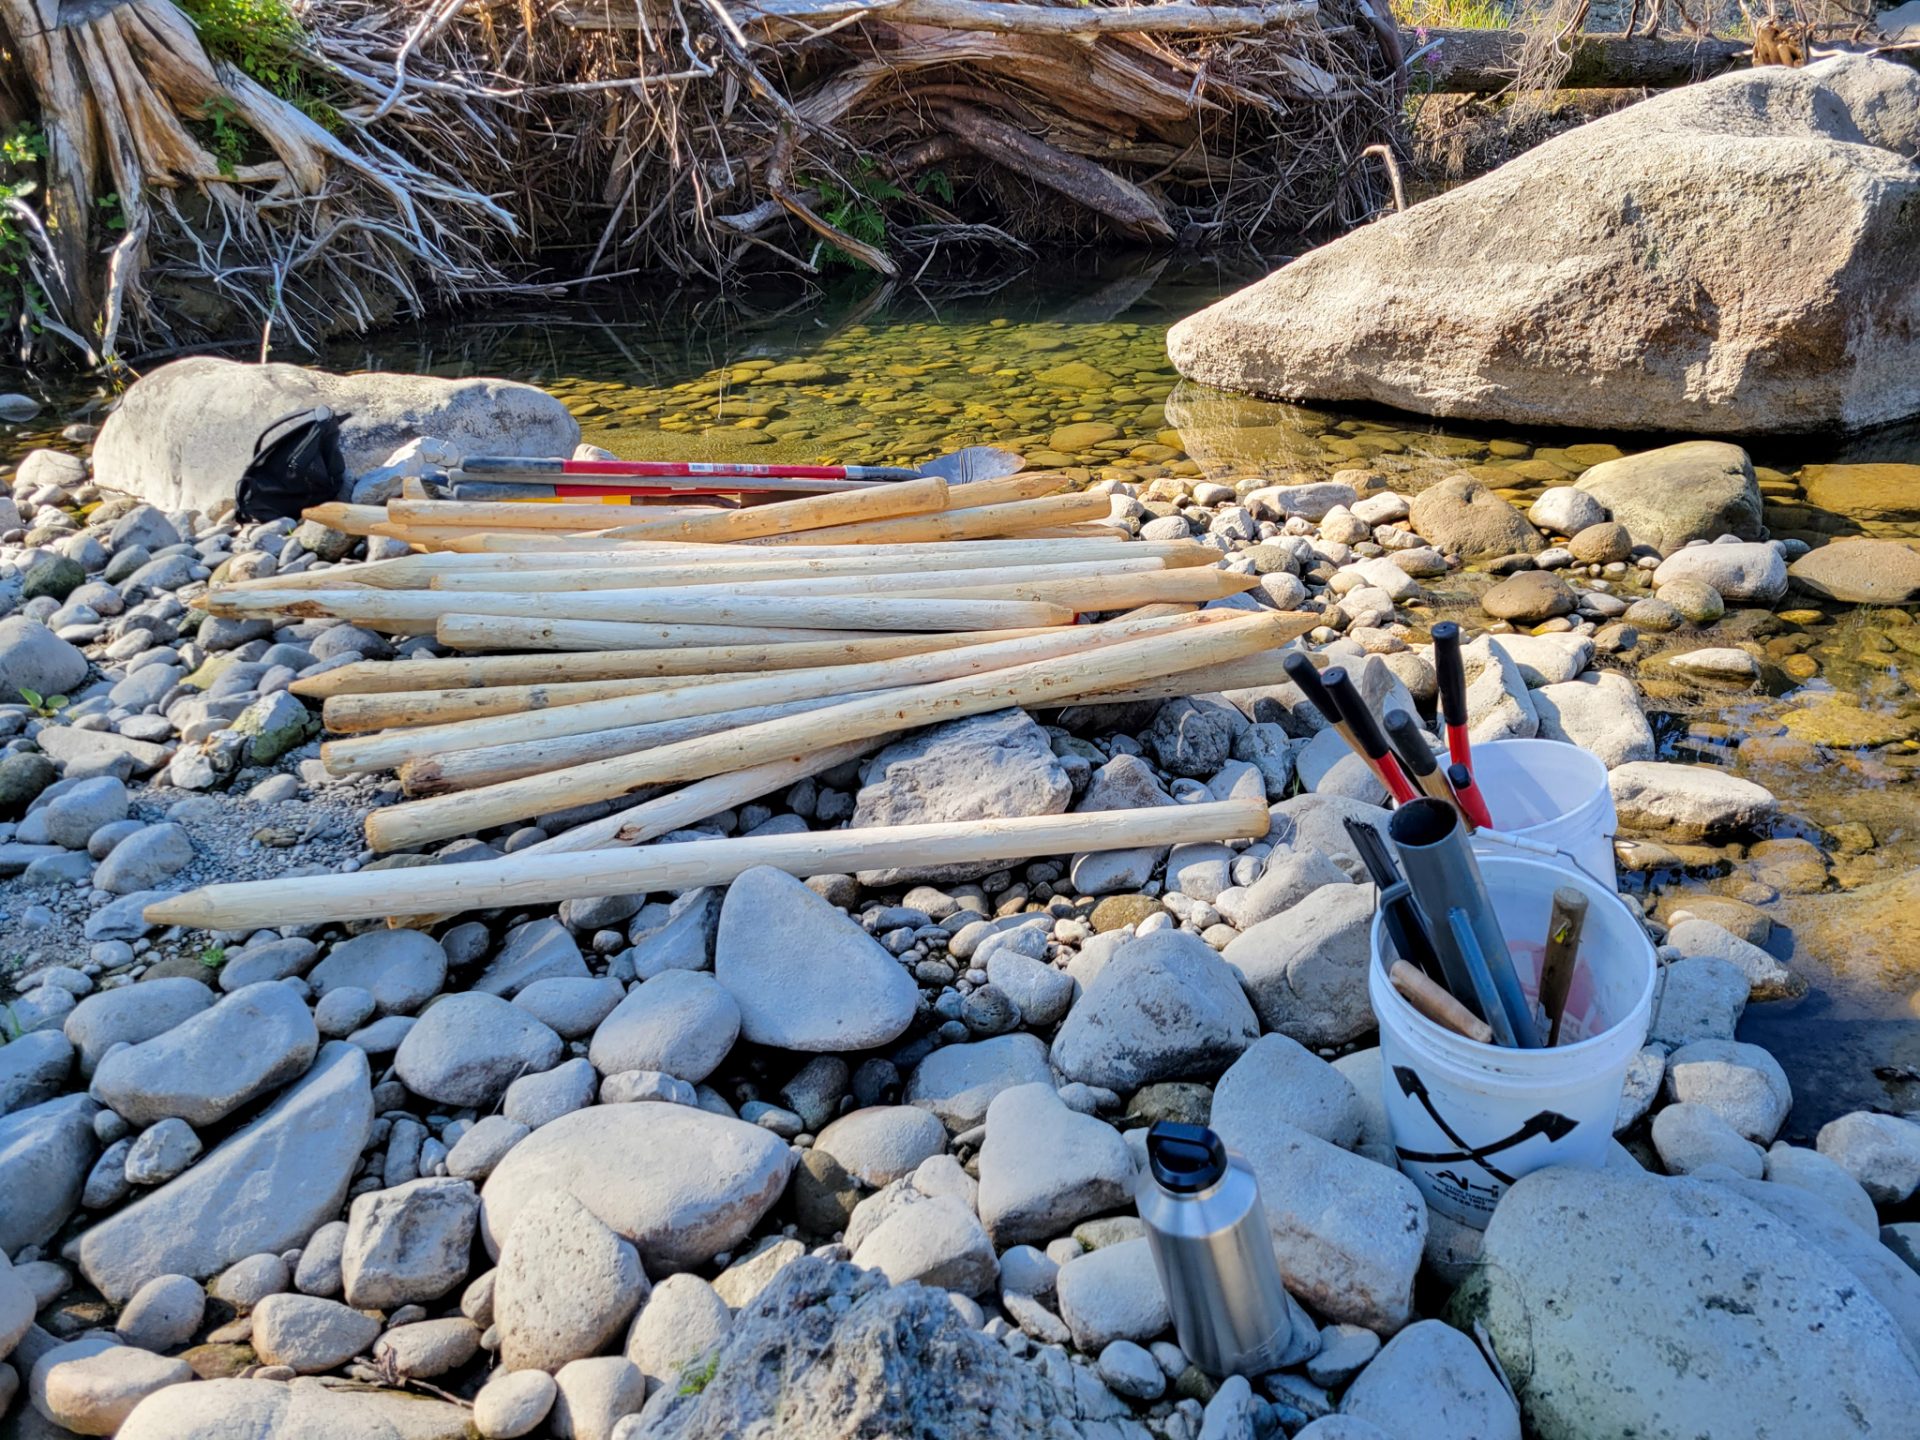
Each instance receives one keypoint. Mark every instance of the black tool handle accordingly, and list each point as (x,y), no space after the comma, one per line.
(1410,746)
(1450,672)
(1353,709)
(1303,673)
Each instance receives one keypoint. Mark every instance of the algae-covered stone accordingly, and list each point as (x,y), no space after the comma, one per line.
(275,723)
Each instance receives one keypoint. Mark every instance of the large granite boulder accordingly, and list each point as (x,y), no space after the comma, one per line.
(183,433)
(1627,274)
(1624,1304)
(831,1352)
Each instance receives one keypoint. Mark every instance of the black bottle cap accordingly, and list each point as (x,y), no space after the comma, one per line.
(1185,1158)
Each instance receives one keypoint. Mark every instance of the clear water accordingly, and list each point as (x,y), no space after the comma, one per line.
(1070,369)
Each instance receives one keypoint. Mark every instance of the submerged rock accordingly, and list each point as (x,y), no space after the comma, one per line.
(1862,572)
(1637,253)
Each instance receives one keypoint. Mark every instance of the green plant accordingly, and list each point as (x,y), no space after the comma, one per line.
(44,707)
(852,204)
(25,146)
(266,40)
(214,956)
(698,1377)
(228,134)
(10,1028)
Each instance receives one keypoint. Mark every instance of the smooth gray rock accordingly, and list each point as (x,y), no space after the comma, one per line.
(537,950)
(1743,1084)
(318,1272)
(881,1143)
(1044,1167)
(144,860)
(536,1100)
(682,1023)
(161,1152)
(994,766)
(90,1385)
(1432,1381)
(274,960)
(467,1048)
(566,1284)
(1165,1007)
(1349,1234)
(682,1320)
(1280,1079)
(1700,999)
(1700,1315)
(309,1334)
(401,969)
(1750,574)
(939,1242)
(958,1082)
(45,1153)
(1112,1293)
(1809,1170)
(409,1244)
(310,1408)
(680,1183)
(475,1154)
(1882,1152)
(72,816)
(163,1314)
(1305,969)
(265,1188)
(595,1394)
(1767,977)
(33,658)
(805,976)
(1290,876)
(425,1349)
(1690,802)
(513,1403)
(569,1005)
(1693,1137)
(181,435)
(34,1068)
(208,1066)
(1600,712)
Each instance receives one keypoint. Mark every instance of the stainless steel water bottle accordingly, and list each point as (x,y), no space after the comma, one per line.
(1208,1233)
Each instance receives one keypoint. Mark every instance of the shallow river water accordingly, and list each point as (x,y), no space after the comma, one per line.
(1070,369)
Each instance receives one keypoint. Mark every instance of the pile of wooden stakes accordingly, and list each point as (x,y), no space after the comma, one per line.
(730,653)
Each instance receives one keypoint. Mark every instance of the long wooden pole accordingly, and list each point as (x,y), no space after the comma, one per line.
(363,714)
(368,677)
(804,577)
(969,524)
(494,764)
(907,497)
(1043,682)
(544,721)
(518,880)
(849,613)
(503,632)
(532,515)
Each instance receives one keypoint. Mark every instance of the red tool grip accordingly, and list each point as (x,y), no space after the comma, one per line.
(1472,802)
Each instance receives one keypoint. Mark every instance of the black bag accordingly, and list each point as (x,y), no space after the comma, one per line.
(296,464)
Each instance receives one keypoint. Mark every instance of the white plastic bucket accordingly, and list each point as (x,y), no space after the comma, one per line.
(1467,1119)
(1551,793)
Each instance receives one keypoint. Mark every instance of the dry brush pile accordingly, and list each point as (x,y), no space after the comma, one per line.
(175,172)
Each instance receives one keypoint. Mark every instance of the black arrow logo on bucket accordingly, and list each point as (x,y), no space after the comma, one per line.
(1550,1123)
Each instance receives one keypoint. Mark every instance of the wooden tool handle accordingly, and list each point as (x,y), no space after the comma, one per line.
(1563,947)
(1436,1004)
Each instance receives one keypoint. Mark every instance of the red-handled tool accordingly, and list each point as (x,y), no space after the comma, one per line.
(1472,803)
(1366,729)
(1302,672)
(1452,675)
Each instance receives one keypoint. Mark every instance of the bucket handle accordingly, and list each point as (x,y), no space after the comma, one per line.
(1542,848)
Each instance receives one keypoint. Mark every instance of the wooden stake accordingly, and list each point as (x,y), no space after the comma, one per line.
(495,764)
(502,632)
(370,677)
(533,514)
(811,512)
(968,524)
(803,577)
(545,721)
(654,607)
(1043,682)
(518,880)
